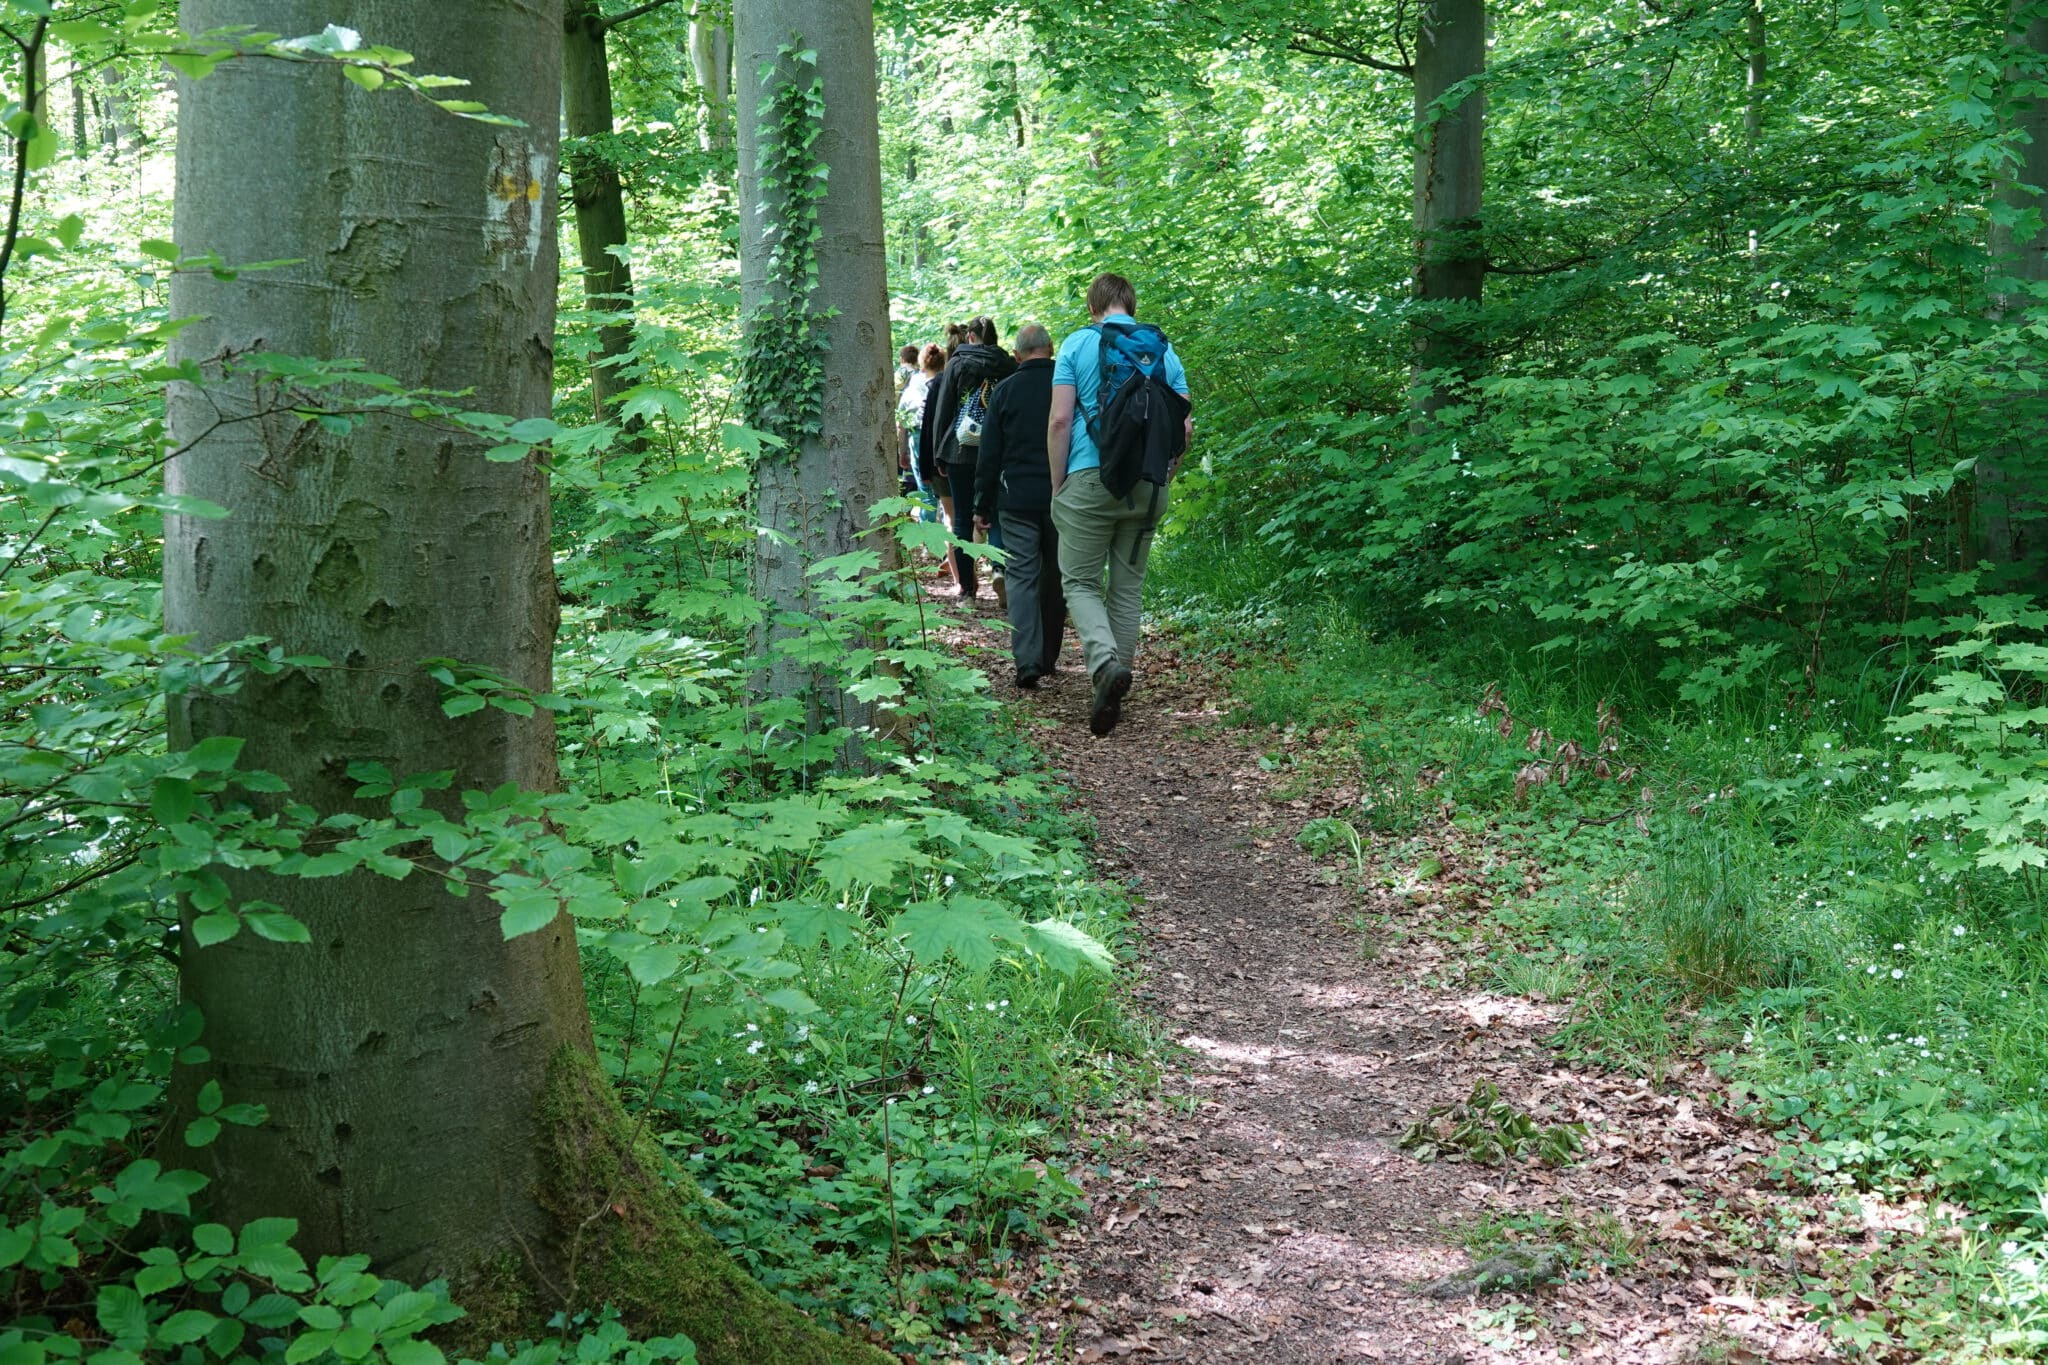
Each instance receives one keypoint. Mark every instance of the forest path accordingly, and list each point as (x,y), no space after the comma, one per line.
(1265,1211)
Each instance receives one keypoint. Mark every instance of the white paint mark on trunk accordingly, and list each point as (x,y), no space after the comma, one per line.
(515,201)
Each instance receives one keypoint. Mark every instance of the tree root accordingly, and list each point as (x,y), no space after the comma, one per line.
(629,1239)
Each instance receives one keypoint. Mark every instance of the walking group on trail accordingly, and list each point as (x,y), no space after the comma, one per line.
(1063,461)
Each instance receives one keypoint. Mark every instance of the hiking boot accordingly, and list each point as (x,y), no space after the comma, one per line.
(1027,682)
(1002,592)
(1112,685)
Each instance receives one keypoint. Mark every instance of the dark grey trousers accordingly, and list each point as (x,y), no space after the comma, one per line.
(1038,607)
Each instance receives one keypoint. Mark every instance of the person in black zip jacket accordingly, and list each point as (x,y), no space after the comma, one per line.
(978,361)
(1013,490)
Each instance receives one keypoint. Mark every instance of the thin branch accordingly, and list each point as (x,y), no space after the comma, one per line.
(104,870)
(29,52)
(1316,43)
(1554,268)
(628,16)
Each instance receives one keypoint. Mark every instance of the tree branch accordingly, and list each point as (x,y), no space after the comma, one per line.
(628,16)
(1554,268)
(29,92)
(1312,42)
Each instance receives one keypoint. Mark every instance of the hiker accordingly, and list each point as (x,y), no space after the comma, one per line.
(1107,514)
(953,419)
(910,408)
(1014,493)
(906,379)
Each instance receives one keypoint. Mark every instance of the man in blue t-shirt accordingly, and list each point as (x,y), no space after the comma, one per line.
(1096,529)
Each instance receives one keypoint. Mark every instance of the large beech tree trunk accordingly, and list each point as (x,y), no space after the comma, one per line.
(403,1054)
(599,196)
(1450,162)
(818,495)
(2011,504)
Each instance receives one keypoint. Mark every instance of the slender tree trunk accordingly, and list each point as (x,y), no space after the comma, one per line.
(402,1055)
(78,136)
(711,61)
(1450,162)
(2010,506)
(1753,104)
(599,196)
(817,495)
(41,78)
(117,133)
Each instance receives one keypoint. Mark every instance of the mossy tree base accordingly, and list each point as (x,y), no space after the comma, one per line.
(628,1239)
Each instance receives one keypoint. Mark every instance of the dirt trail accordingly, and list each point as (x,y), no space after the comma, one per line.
(1266,1212)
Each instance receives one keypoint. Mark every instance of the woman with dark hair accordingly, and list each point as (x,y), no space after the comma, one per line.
(952,429)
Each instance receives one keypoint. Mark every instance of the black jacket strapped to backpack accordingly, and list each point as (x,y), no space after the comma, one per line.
(972,365)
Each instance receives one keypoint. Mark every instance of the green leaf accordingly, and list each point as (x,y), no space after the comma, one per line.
(276,926)
(172,800)
(653,963)
(806,924)
(155,1279)
(968,928)
(870,854)
(181,1328)
(215,754)
(308,1346)
(218,927)
(1069,948)
(78,33)
(354,1342)
(463,704)
(527,911)
(534,430)
(413,1352)
(197,65)
(123,1315)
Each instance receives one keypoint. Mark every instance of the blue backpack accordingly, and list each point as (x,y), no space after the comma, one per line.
(1140,423)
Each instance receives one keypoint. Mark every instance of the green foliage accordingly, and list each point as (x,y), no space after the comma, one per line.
(1484,1128)
(1980,781)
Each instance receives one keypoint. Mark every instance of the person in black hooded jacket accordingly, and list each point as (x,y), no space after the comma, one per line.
(1013,491)
(979,361)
